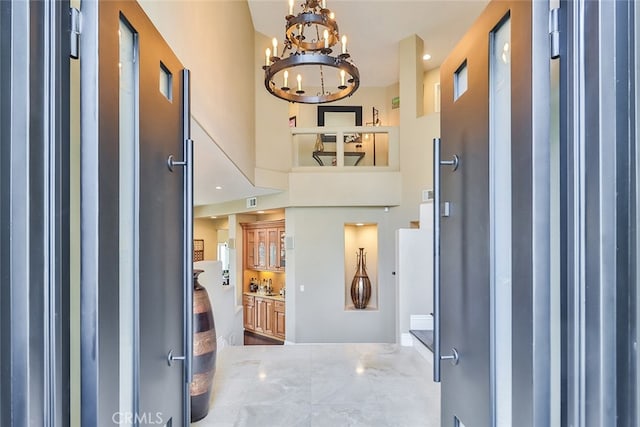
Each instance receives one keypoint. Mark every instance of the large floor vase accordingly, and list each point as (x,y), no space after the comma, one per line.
(204,351)
(361,285)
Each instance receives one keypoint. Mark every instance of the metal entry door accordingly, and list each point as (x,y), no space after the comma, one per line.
(136,230)
(491,226)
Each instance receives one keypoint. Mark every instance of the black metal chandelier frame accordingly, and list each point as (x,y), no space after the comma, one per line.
(312,51)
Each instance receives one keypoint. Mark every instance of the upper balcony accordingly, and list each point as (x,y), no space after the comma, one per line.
(347,166)
(356,148)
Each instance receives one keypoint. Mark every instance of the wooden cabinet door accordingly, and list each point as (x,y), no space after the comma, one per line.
(261,248)
(268,324)
(279,325)
(279,329)
(250,248)
(249,313)
(264,245)
(261,314)
(282,248)
(273,239)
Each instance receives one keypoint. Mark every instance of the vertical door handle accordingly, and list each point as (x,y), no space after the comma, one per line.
(187,153)
(188,224)
(437,355)
(188,256)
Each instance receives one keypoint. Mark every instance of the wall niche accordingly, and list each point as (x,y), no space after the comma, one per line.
(356,236)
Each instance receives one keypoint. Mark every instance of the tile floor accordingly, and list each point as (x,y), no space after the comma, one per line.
(330,385)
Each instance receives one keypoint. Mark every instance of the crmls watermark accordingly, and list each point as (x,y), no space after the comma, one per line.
(143,419)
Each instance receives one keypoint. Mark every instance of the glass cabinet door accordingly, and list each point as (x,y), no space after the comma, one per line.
(273,248)
(262,248)
(282,248)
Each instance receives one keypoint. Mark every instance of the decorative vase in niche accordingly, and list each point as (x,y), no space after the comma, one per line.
(204,350)
(361,285)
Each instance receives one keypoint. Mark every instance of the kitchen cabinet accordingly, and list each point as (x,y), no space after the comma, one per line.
(261,249)
(255,249)
(268,323)
(249,312)
(261,314)
(250,249)
(264,246)
(264,315)
(278,311)
(273,240)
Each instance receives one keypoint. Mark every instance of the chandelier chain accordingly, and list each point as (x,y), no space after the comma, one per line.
(322,91)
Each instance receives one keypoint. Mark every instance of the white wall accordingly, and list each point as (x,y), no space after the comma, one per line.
(414,271)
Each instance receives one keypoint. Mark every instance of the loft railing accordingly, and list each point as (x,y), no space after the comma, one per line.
(356,148)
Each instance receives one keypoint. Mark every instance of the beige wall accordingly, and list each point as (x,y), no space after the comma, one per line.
(416,130)
(316,276)
(272,119)
(431,95)
(212,231)
(204,35)
(393,114)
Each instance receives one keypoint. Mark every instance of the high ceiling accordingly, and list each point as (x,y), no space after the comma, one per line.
(374,28)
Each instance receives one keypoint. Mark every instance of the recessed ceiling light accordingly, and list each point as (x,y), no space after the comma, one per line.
(218,187)
(359,224)
(260,212)
(213,217)
(426,57)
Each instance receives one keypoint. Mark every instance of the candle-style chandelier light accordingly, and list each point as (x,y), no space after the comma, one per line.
(310,38)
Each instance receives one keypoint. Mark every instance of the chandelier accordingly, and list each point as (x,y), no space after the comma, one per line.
(310,39)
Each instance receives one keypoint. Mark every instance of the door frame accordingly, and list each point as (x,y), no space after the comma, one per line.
(599,212)
(531,304)
(34,213)
(97,379)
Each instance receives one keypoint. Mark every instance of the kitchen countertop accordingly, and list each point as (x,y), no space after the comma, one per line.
(275,297)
